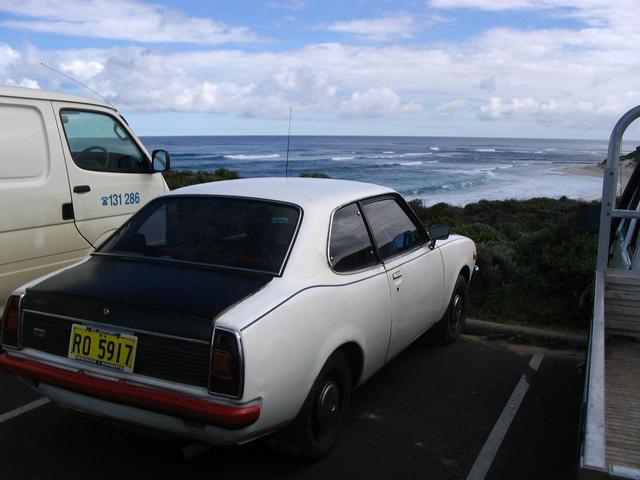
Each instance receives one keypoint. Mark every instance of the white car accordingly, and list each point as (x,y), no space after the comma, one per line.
(228,311)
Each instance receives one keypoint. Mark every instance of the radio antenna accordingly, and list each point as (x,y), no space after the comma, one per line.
(78,82)
(286,167)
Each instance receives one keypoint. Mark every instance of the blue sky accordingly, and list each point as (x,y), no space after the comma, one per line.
(513,68)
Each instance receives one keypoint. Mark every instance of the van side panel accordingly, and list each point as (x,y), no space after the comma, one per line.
(34,238)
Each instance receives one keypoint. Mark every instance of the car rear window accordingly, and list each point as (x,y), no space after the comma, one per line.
(350,248)
(229,232)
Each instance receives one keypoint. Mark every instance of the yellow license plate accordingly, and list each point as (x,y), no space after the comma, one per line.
(109,349)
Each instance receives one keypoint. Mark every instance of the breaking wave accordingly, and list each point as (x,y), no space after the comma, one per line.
(252,157)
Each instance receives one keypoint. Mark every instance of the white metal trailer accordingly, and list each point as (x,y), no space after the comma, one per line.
(610,446)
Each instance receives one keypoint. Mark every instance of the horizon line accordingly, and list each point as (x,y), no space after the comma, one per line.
(391,136)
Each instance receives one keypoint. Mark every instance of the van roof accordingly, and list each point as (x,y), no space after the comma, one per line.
(22,92)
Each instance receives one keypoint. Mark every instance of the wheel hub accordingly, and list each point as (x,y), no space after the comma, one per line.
(327,406)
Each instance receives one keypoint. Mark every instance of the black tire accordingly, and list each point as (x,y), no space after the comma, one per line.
(449,327)
(316,429)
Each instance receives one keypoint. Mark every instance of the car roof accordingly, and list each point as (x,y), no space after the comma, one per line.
(305,192)
(22,92)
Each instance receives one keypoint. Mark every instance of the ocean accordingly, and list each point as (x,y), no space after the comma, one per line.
(435,169)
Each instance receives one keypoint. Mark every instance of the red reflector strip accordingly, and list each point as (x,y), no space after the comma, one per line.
(120,391)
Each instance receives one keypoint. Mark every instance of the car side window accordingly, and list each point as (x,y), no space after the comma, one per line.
(98,142)
(350,247)
(394,232)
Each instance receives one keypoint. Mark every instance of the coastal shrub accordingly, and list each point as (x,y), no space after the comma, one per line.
(313,175)
(534,263)
(182,178)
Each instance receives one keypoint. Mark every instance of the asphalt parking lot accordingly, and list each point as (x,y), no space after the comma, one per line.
(475,409)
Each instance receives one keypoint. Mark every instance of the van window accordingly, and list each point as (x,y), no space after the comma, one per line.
(98,142)
(350,246)
(23,143)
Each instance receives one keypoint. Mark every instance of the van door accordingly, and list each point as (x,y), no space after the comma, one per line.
(37,233)
(109,170)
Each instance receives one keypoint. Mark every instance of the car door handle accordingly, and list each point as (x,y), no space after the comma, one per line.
(396,275)
(81,189)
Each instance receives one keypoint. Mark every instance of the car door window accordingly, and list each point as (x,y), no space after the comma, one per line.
(350,247)
(394,232)
(98,142)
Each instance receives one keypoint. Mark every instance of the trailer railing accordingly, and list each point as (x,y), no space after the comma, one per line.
(593,461)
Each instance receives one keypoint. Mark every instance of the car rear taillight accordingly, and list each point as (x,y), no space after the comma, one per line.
(11,322)
(226,364)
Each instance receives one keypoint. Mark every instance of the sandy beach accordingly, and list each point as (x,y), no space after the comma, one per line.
(627,167)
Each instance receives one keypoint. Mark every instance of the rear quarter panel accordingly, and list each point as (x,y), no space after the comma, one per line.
(286,348)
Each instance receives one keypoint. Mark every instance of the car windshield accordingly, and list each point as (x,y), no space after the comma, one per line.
(222,231)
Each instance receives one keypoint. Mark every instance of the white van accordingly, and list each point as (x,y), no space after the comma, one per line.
(71,172)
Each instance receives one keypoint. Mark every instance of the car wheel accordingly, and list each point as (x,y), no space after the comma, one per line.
(449,327)
(316,429)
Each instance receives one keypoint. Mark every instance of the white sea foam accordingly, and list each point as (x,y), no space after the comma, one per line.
(253,157)
(398,155)
(410,164)
(341,159)
(390,151)
(485,150)
(542,183)
(434,149)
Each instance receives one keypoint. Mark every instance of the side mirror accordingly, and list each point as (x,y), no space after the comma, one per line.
(438,231)
(160,161)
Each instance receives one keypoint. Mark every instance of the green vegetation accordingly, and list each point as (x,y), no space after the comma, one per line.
(182,178)
(535,265)
(313,175)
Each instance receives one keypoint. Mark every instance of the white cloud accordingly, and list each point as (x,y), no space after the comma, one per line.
(124,20)
(553,112)
(401,26)
(8,56)
(23,82)
(498,109)
(512,80)
(449,109)
(488,4)
(80,69)
(488,84)
(290,5)
(376,102)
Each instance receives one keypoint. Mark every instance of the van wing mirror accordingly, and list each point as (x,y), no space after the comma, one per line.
(160,161)
(438,231)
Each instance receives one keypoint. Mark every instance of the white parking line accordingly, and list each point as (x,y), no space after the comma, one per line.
(23,409)
(494,440)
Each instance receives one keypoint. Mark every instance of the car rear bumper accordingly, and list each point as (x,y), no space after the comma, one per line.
(230,417)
